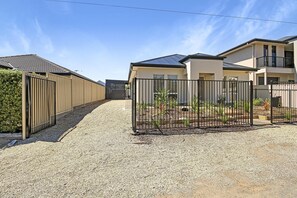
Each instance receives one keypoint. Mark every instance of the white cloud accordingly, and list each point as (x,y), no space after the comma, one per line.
(22,39)
(43,39)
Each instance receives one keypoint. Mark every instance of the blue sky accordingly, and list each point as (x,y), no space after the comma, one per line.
(100,42)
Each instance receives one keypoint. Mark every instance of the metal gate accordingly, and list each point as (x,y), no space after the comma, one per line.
(166,104)
(40,103)
(115,89)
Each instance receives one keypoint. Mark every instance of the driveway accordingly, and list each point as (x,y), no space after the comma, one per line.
(101,158)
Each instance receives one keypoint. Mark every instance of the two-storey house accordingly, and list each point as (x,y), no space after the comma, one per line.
(274,59)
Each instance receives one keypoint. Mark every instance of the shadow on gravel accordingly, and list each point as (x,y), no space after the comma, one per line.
(167,132)
(65,124)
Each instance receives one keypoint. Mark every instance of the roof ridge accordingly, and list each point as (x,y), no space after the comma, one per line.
(18,55)
(160,57)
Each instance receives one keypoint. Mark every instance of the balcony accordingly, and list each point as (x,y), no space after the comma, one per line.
(275,61)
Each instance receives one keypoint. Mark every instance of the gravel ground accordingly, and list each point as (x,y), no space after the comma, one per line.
(101,158)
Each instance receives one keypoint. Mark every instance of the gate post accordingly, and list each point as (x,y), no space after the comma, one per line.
(198,103)
(24,104)
(271,107)
(134,104)
(251,103)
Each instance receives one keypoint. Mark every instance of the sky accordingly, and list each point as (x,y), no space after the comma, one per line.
(101,42)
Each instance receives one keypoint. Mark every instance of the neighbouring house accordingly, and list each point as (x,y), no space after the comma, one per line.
(5,65)
(275,59)
(72,89)
(186,67)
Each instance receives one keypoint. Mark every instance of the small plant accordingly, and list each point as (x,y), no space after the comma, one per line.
(224,119)
(142,106)
(220,110)
(258,102)
(161,99)
(246,106)
(221,99)
(186,122)
(266,104)
(157,123)
(195,104)
(172,103)
(288,116)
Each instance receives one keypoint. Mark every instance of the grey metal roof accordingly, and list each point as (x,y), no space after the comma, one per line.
(232,66)
(288,38)
(34,63)
(251,41)
(172,60)
(5,64)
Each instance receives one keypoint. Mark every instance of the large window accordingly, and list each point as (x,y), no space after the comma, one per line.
(172,83)
(158,82)
(274,80)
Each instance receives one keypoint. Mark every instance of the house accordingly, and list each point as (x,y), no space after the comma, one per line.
(179,67)
(275,59)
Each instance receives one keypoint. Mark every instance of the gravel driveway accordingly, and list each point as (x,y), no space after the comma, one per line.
(101,158)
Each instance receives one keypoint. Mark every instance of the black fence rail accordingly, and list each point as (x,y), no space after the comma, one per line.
(166,104)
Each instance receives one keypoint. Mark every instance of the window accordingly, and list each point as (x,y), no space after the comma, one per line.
(265,55)
(273,54)
(274,80)
(158,82)
(172,83)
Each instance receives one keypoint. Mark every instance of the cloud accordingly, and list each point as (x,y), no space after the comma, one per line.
(44,39)
(22,39)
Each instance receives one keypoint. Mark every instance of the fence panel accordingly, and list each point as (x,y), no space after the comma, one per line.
(40,103)
(284,102)
(165,104)
(63,93)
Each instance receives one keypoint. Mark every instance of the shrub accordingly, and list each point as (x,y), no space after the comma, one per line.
(220,110)
(288,116)
(258,102)
(222,99)
(186,122)
(10,101)
(246,106)
(142,106)
(224,119)
(173,103)
(195,104)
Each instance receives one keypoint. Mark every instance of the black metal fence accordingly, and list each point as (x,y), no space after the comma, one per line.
(276,102)
(166,104)
(40,103)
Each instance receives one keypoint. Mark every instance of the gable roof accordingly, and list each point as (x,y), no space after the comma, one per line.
(201,56)
(251,41)
(288,38)
(169,61)
(35,63)
(5,64)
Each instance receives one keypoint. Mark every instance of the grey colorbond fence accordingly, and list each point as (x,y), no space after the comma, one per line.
(166,104)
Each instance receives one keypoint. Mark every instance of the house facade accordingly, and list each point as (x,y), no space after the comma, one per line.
(179,74)
(274,59)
